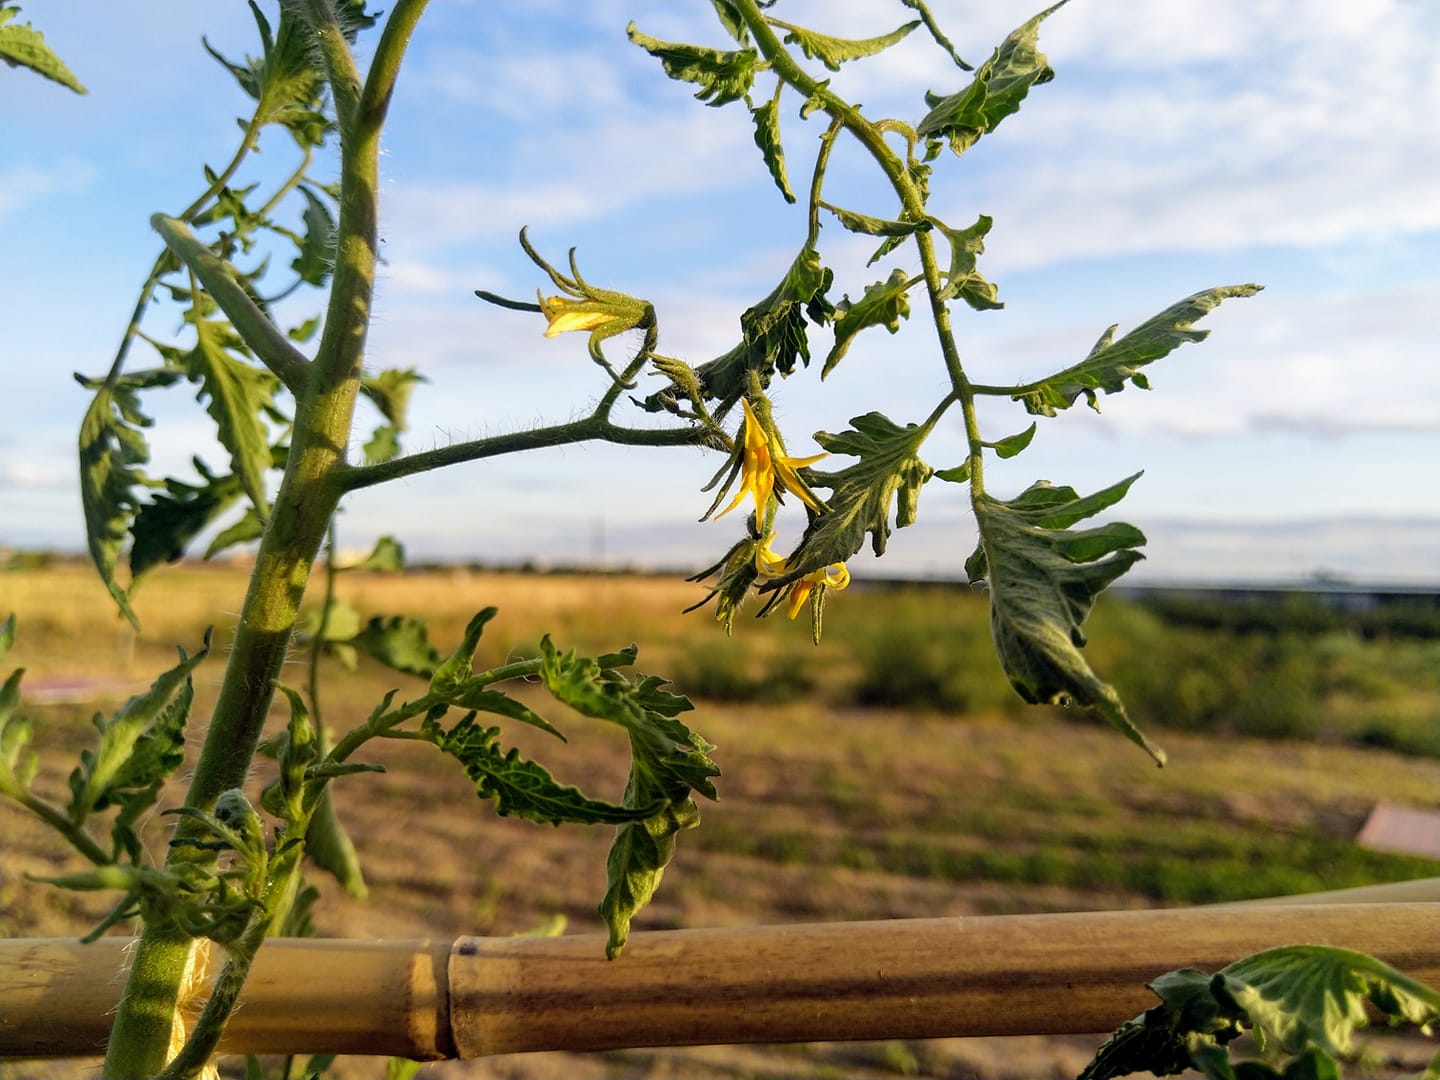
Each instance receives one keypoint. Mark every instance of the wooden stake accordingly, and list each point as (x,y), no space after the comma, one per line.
(911,978)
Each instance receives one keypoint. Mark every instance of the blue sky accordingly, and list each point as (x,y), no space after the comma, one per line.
(1182,145)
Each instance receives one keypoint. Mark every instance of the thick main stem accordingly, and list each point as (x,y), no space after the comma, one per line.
(141,1036)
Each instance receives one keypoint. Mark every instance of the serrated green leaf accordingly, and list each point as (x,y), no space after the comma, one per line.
(1043,580)
(1305,1001)
(885,303)
(522,788)
(112,449)
(455,669)
(165,526)
(873,226)
(21,45)
(1306,996)
(639,855)
(1111,363)
(399,642)
(238,393)
(774,334)
(316,259)
(140,744)
(387,557)
(305,331)
(476,695)
(1011,445)
(888,470)
(767,138)
(963,280)
(833,51)
(997,90)
(723,77)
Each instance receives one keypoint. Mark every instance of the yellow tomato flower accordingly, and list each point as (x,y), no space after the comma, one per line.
(771,565)
(834,576)
(761,470)
(564,315)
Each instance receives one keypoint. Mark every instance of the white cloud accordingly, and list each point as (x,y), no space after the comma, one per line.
(25,185)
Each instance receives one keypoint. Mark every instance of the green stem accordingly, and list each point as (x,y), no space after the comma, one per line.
(592,428)
(264,338)
(307,499)
(872,137)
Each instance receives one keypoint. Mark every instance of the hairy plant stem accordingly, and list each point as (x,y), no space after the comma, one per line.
(304,505)
(872,138)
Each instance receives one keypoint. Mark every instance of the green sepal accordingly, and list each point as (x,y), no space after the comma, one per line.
(767,138)
(1011,445)
(1305,1001)
(21,45)
(239,393)
(520,787)
(963,280)
(833,51)
(1043,579)
(112,451)
(165,526)
(723,77)
(141,744)
(400,642)
(997,90)
(1111,363)
(888,470)
(885,303)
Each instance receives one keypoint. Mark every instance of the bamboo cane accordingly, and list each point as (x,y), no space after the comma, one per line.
(910,978)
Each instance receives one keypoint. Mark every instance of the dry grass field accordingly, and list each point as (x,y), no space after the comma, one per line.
(831,808)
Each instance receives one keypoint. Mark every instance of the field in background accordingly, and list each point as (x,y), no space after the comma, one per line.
(888,773)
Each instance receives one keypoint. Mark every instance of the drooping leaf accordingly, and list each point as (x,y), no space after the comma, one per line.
(963,280)
(774,332)
(1043,579)
(165,525)
(885,303)
(723,77)
(1112,363)
(1305,1001)
(888,471)
(873,226)
(767,138)
(316,259)
(399,642)
(996,91)
(238,395)
(21,45)
(112,451)
(521,787)
(140,743)
(641,851)
(1011,445)
(833,51)
(329,847)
